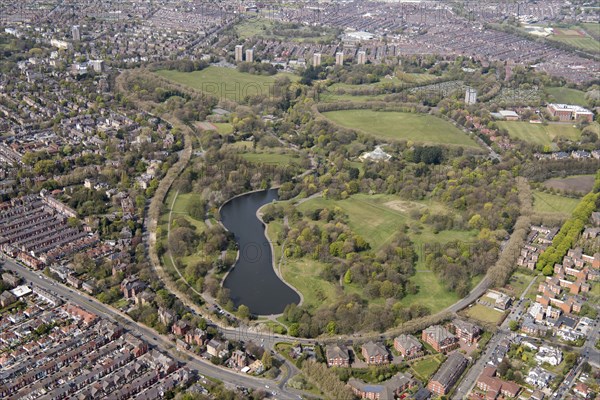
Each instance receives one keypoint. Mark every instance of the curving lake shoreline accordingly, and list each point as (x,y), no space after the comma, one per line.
(253,281)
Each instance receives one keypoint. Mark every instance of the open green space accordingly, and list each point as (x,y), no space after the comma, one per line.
(539,133)
(518,282)
(484,314)
(269,29)
(567,95)
(577,183)
(376,218)
(592,29)
(403,77)
(384,125)
(224,82)
(576,37)
(426,367)
(552,203)
(272,158)
(224,128)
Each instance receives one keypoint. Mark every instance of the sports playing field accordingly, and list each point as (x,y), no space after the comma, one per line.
(539,133)
(385,125)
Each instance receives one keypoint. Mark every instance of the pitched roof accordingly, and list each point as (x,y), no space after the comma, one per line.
(337,351)
(438,333)
(375,349)
(449,368)
(408,341)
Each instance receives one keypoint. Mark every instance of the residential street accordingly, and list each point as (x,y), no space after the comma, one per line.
(154,339)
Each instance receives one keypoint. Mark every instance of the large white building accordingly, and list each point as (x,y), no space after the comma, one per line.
(568,112)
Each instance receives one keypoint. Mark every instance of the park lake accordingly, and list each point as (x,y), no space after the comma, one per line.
(253,281)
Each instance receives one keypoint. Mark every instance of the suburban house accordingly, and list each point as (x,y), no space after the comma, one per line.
(131,287)
(550,355)
(448,374)
(180,328)
(583,390)
(409,346)
(7,298)
(539,377)
(440,338)
(375,353)
(217,348)
(10,279)
(388,390)
(195,337)
(337,355)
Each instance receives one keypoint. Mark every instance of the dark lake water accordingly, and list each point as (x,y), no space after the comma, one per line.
(253,281)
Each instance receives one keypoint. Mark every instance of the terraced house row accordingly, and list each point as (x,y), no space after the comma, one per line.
(36,230)
(52,351)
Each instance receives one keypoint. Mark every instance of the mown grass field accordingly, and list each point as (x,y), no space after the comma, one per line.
(419,128)
(592,29)
(426,367)
(376,218)
(225,83)
(552,203)
(271,158)
(576,37)
(567,96)
(539,133)
(484,314)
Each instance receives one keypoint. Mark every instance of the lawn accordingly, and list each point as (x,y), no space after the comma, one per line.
(384,125)
(426,367)
(272,158)
(484,314)
(223,82)
(577,183)
(567,96)
(552,203)
(539,133)
(224,128)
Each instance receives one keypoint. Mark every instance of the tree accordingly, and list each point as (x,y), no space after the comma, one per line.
(243,312)
(503,367)
(348,277)
(267,360)
(513,325)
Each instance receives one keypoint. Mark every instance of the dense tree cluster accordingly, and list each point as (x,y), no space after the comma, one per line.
(569,232)
(457,262)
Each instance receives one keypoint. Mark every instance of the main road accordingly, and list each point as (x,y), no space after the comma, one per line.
(154,339)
